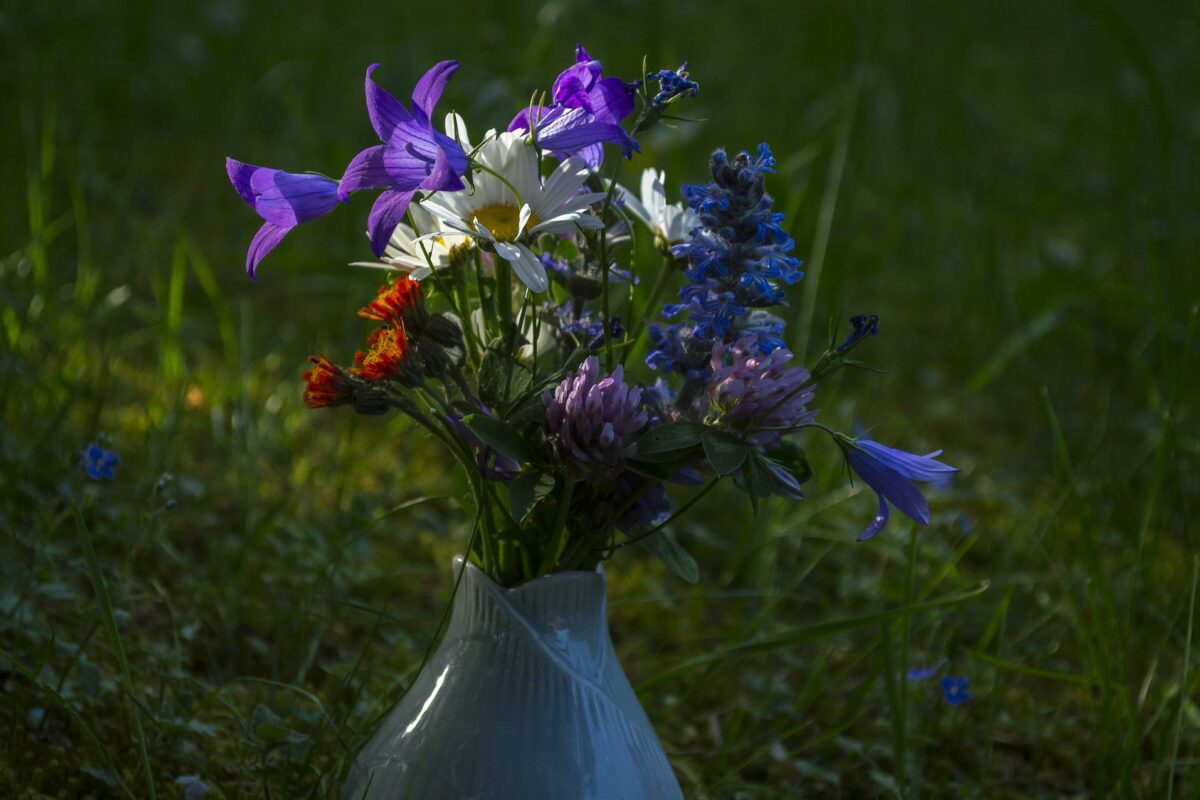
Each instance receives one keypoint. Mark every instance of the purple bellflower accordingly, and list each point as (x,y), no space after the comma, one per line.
(98,462)
(891,473)
(587,111)
(283,199)
(413,156)
(592,420)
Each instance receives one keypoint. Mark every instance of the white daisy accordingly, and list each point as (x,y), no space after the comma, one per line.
(671,223)
(410,252)
(494,216)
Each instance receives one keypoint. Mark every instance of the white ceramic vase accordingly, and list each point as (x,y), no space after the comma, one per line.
(523,700)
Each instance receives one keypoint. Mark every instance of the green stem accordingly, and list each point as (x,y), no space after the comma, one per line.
(639,323)
(682,510)
(114,638)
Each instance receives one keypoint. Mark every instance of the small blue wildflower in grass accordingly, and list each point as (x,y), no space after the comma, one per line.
(98,462)
(956,689)
(672,84)
(924,673)
(193,787)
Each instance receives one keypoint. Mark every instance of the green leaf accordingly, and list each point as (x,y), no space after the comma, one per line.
(666,441)
(793,458)
(501,378)
(567,249)
(501,436)
(526,491)
(671,553)
(725,452)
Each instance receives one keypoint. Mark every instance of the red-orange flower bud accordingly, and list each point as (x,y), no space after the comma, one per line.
(393,300)
(327,384)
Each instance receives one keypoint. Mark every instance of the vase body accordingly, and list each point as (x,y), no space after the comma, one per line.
(522,700)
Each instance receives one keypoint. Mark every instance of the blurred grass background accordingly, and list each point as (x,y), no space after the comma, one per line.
(1012,187)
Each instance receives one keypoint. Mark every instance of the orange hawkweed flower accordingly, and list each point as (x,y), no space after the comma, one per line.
(393,300)
(327,384)
(387,349)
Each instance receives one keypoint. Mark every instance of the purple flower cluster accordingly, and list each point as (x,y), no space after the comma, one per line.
(413,157)
(592,420)
(737,260)
(755,394)
(587,111)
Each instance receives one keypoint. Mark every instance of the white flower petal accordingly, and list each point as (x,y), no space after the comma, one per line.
(525,264)
(482,230)
(456,129)
(634,205)
(526,213)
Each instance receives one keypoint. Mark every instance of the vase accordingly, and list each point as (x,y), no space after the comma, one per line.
(523,699)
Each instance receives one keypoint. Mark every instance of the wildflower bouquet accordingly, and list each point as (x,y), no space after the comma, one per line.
(508,317)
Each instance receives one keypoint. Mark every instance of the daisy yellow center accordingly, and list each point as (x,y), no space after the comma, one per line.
(503,220)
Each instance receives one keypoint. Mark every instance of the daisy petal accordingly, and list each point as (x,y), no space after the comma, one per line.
(528,268)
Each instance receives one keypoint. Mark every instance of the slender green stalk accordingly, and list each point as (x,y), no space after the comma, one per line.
(1183,689)
(638,324)
(833,183)
(114,639)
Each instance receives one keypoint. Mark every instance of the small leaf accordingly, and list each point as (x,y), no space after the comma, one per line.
(500,377)
(526,491)
(566,249)
(672,554)
(668,440)
(501,436)
(724,451)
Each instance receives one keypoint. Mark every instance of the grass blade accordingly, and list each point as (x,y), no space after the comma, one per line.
(114,639)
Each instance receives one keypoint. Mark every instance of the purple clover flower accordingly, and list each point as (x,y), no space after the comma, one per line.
(956,689)
(98,462)
(891,473)
(283,199)
(592,420)
(586,112)
(754,391)
(413,155)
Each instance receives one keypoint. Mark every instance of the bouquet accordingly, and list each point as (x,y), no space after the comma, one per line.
(510,324)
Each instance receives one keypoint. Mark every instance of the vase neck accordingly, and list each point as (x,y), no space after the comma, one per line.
(564,613)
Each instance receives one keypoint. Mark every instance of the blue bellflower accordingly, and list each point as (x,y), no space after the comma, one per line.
(98,462)
(891,473)
(587,111)
(283,199)
(413,156)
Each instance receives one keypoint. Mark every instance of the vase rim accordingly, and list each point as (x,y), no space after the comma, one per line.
(551,577)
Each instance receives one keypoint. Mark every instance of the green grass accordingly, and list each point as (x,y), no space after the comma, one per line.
(1018,201)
